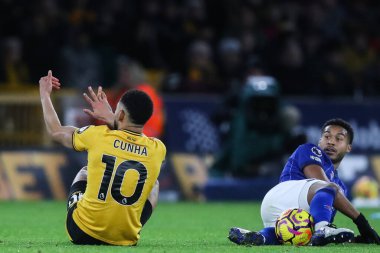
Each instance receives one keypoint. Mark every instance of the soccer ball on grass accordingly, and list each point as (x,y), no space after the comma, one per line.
(295,227)
(365,187)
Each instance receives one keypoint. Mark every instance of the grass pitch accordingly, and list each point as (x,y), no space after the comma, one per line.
(174,227)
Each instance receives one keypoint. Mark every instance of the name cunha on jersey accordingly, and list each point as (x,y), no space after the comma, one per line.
(129,147)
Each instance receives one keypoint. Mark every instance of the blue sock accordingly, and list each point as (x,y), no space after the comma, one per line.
(270,236)
(321,206)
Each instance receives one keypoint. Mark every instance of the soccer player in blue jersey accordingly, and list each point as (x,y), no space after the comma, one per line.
(310,181)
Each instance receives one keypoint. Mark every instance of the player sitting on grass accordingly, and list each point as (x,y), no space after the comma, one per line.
(310,181)
(114,195)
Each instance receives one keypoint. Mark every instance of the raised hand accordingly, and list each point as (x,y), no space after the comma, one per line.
(101,109)
(48,83)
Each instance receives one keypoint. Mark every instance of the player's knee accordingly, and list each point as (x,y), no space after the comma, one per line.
(322,186)
(153,196)
(331,187)
(157,185)
(81,175)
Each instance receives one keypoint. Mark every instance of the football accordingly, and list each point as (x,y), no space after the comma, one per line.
(294,227)
(365,187)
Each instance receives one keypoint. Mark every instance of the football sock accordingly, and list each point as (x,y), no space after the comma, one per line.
(270,236)
(321,206)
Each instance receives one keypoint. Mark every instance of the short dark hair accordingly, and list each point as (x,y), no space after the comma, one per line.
(139,106)
(341,123)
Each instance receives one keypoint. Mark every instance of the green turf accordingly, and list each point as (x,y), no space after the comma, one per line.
(179,227)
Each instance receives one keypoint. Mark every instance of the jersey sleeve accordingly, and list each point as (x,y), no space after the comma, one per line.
(163,152)
(309,154)
(83,138)
(162,149)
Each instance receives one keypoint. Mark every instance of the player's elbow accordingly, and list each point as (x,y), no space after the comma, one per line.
(63,137)
(52,131)
(55,135)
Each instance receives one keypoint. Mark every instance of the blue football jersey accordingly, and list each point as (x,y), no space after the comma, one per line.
(307,154)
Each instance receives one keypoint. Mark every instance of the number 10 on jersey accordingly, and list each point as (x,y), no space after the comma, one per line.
(118,178)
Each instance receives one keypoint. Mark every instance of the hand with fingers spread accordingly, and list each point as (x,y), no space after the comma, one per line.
(48,83)
(101,109)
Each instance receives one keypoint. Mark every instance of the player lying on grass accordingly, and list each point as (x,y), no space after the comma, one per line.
(114,195)
(310,181)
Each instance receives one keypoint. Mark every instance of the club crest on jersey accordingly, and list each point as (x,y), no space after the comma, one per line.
(82,129)
(316,151)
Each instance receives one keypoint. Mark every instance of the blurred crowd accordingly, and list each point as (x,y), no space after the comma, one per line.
(321,47)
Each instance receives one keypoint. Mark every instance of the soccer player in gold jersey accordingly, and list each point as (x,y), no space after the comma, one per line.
(114,195)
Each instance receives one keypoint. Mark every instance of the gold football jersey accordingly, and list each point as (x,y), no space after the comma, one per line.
(122,168)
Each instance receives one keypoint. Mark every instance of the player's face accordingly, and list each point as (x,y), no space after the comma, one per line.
(335,142)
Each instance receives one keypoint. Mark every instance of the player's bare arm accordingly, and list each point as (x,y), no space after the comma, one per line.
(101,109)
(59,133)
(341,202)
(315,171)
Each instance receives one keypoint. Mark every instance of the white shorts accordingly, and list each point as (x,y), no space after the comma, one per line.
(285,195)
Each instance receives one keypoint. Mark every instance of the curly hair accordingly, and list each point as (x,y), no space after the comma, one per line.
(139,106)
(341,123)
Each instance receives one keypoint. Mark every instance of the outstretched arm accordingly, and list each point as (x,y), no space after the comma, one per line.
(59,133)
(342,204)
(315,171)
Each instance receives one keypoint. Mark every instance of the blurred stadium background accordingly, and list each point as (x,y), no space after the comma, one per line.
(237,85)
